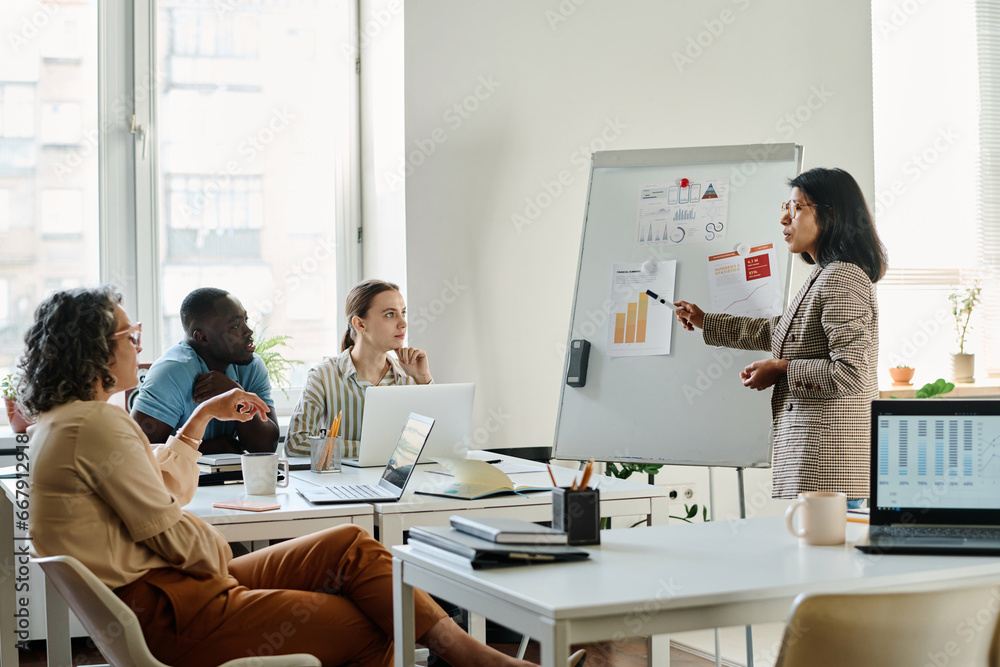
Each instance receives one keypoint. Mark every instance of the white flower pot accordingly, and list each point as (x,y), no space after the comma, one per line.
(963,368)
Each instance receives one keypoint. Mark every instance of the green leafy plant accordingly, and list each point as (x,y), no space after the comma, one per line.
(625,470)
(963,301)
(936,388)
(275,362)
(902,366)
(8,386)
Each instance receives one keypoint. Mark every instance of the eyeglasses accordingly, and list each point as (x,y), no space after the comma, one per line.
(792,207)
(134,334)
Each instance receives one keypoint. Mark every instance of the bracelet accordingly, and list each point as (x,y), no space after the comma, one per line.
(187,439)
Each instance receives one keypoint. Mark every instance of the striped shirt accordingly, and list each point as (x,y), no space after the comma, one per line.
(332,386)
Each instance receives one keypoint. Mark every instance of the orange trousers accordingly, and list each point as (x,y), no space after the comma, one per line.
(328,594)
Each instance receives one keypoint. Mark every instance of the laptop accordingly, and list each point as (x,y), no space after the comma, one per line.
(387,407)
(935,477)
(397,471)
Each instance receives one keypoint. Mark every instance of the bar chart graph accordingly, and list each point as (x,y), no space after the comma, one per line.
(956,455)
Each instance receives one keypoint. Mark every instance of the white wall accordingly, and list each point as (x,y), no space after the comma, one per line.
(504,99)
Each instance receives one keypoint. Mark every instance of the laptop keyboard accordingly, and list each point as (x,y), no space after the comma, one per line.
(357,491)
(955,532)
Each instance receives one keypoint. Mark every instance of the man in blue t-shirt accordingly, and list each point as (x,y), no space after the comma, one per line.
(216,355)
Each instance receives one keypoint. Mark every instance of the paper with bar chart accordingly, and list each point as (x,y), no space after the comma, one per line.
(693,210)
(745,285)
(939,461)
(638,324)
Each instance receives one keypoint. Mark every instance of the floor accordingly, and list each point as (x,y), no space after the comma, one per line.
(630,653)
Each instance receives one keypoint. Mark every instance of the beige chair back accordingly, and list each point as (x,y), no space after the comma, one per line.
(956,627)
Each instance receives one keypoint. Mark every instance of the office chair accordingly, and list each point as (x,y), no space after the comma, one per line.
(114,627)
(956,627)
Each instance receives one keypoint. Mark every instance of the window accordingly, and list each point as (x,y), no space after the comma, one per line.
(926,180)
(251,125)
(49,226)
(17,110)
(61,213)
(62,123)
(244,178)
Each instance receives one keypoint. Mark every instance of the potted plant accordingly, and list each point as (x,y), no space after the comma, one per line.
(274,361)
(902,374)
(18,421)
(963,301)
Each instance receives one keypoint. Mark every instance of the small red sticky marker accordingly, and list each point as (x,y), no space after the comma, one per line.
(685,182)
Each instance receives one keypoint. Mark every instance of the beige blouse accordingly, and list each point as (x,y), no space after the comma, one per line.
(102,494)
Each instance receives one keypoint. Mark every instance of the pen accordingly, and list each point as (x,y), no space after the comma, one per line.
(657,297)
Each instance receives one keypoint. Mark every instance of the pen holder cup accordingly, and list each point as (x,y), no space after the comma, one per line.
(578,514)
(326,453)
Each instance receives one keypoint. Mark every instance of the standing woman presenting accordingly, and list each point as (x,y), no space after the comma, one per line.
(824,347)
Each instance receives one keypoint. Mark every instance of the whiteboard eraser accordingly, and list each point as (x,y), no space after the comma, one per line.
(579,354)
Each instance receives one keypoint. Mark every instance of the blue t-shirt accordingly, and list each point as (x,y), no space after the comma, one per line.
(166,393)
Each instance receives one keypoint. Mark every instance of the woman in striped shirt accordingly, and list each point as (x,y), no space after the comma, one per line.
(376,316)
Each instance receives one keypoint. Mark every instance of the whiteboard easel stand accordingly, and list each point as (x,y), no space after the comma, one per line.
(743,515)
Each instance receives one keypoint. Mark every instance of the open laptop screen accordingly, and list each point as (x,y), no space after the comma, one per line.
(936,461)
(407,450)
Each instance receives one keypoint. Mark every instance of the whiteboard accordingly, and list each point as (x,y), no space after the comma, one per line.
(687,407)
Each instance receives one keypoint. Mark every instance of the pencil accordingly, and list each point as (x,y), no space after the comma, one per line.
(586,474)
(853,520)
(551,476)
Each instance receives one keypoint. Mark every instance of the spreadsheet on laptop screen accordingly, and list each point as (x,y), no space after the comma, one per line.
(938,461)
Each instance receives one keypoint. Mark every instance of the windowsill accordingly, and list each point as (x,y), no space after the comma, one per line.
(980,389)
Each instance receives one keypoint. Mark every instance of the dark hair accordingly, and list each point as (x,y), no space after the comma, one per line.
(67,348)
(359,300)
(846,226)
(197,305)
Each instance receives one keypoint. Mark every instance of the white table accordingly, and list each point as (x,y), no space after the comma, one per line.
(652,581)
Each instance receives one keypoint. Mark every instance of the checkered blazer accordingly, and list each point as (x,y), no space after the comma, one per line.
(820,410)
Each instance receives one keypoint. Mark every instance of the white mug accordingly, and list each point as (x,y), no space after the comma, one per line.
(260,473)
(823,521)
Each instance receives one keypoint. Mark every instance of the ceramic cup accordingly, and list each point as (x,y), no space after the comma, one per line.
(822,518)
(260,473)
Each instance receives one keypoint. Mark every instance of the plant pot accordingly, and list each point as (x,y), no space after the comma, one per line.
(18,422)
(963,367)
(902,376)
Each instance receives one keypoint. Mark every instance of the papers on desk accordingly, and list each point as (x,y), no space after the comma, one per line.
(458,548)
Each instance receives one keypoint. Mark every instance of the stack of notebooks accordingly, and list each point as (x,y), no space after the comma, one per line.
(220,469)
(493,542)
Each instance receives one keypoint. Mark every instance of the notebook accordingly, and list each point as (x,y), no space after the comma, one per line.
(397,471)
(387,407)
(935,477)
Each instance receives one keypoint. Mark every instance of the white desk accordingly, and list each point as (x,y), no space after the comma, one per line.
(653,581)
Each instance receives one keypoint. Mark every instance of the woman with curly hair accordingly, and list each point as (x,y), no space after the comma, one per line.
(102,494)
